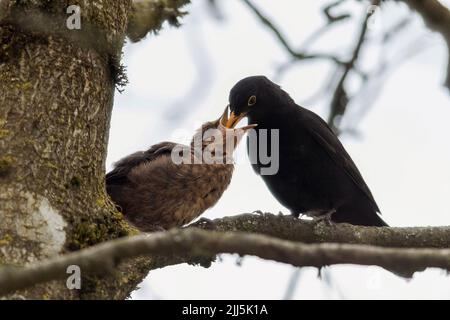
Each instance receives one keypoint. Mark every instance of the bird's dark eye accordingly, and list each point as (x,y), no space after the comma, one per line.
(251,100)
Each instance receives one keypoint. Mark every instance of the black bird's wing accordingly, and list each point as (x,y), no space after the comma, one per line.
(123,167)
(326,138)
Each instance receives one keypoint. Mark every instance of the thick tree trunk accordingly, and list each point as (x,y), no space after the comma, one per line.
(56,95)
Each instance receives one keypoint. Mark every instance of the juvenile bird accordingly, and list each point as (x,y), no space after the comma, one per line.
(316,175)
(158,188)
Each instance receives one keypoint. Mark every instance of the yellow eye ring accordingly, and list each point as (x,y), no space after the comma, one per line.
(251,100)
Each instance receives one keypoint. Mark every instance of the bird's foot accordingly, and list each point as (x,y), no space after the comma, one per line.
(323,216)
(206,223)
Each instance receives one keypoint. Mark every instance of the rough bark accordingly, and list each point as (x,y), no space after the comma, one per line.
(57,89)
(290,228)
(185,245)
(56,97)
(279,238)
(148,16)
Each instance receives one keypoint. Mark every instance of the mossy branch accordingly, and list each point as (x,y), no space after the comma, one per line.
(149,16)
(193,244)
(290,228)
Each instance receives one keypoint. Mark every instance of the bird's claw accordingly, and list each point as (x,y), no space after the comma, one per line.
(324,217)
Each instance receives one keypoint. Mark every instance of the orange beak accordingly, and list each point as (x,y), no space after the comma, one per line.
(233,120)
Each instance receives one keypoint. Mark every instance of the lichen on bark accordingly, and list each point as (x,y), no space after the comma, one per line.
(57,96)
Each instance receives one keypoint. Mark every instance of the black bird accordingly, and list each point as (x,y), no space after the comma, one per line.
(155,192)
(316,175)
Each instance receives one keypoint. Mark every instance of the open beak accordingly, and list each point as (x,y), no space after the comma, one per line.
(233,120)
(228,124)
(224,117)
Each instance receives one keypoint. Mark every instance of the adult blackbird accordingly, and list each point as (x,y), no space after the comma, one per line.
(154,189)
(316,175)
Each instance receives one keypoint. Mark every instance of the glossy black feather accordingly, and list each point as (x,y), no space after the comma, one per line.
(316,174)
(326,138)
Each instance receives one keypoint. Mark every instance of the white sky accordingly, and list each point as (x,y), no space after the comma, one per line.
(181,78)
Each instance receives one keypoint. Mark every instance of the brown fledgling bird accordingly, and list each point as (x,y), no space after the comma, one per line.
(157,188)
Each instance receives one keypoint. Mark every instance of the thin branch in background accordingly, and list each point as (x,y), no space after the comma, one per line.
(292,284)
(340,97)
(176,111)
(374,80)
(298,55)
(327,87)
(331,17)
(396,29)
(331,21)
(214,7)
(437,17)
(369,91)
(328,279)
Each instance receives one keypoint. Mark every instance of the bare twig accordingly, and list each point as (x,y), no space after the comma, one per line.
(148,16)
(331,17)
(340,97)
(437,17)
(298,55)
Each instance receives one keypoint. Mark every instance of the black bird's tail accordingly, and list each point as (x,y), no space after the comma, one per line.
(358,213)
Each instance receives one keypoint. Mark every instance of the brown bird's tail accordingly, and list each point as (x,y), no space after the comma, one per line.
(358,213)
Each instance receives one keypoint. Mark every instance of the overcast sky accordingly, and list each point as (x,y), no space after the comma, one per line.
(182,77)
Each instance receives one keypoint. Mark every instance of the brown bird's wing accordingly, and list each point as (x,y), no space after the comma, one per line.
(124,166)
(326,138)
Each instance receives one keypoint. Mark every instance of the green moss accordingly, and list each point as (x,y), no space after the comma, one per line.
(90,232)
(87,234)
(128,229)
(6,240)
(101,202)
(24,85)
(45,296)
(51,165)
(4,133)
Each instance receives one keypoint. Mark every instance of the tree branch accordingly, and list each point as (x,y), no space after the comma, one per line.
(339,100)
(194,245)
(437,17)
(340,97)
(435,14)
(149,15)
(200,243)
(307,231)
(298,55)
